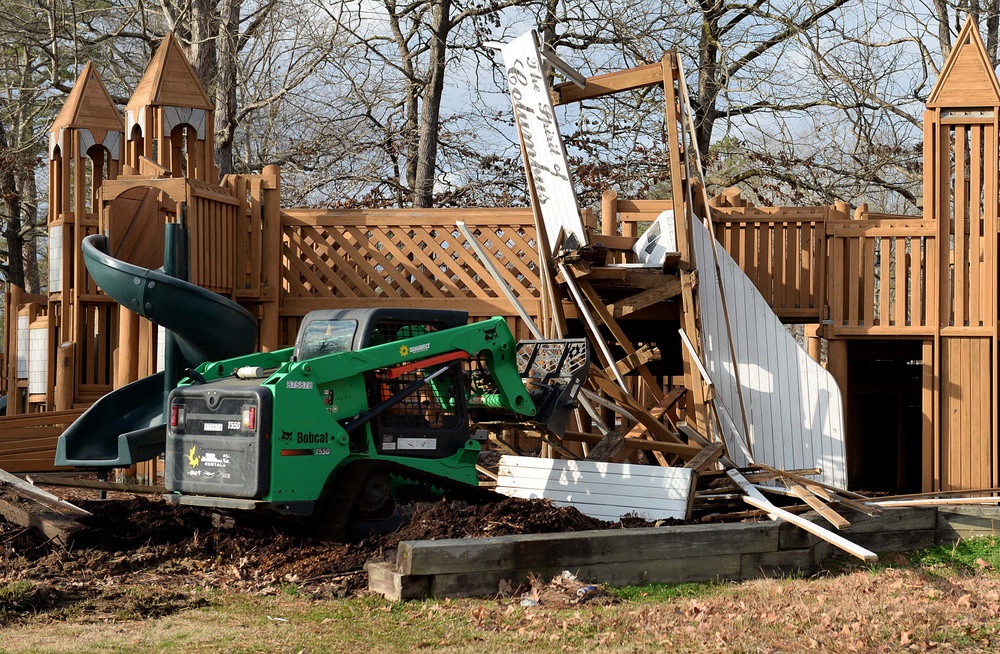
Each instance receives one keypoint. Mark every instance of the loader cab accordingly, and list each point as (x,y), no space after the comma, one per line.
(431,423)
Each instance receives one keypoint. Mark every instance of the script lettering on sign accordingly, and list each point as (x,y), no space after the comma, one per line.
(542,144)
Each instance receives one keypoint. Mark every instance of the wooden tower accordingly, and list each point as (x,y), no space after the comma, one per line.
(170,119)
(85,148)
(961,194)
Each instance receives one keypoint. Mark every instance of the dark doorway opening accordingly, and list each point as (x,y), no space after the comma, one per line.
(884,416)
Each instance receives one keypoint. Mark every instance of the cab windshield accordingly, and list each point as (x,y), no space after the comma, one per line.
(323,337)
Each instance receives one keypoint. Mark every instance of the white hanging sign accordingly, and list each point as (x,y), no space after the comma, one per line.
(542,143)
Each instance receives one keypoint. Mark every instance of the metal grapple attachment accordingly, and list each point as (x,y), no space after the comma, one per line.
(553,372)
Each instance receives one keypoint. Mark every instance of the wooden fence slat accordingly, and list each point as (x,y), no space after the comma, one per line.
(853,281)
(884,294)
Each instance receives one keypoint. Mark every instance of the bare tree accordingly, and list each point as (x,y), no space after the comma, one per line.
(415,48)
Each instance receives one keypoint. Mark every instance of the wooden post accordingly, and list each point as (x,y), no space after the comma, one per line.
(12,300)
(271,257)
(64,376)
(127,369)
(609,212)
(930,478)
(814,343)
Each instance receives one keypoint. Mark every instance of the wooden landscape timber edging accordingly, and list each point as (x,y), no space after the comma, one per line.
(33,508)
(471,567)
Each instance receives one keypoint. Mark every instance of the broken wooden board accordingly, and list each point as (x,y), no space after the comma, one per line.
(72,482)
(602,490)
(33,508)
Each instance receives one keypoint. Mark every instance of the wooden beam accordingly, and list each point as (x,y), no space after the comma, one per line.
(670,289)
(639,278)
(606,448)
(639,358)
(817,505)
(608,83)
(49,480)
(680,449)
(706,458)
(37,509)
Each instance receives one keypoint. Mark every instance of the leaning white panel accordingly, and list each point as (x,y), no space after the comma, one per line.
(793,406)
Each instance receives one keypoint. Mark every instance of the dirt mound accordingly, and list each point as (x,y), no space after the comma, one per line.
(174,545)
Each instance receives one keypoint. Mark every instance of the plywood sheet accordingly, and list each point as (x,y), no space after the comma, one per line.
(794,409)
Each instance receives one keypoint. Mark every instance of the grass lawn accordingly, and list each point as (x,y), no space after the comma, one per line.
(946,599)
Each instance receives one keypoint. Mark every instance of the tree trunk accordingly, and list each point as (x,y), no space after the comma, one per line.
(11,208)
(29,219)
(411,102)
(225,84)
(708,77)
(430,115)
(201,49)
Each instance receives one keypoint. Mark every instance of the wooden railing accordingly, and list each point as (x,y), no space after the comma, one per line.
(866,275)
(880,269)
(783,252)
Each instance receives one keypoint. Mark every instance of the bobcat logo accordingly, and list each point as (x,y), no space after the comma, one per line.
(286,435)
(193,460)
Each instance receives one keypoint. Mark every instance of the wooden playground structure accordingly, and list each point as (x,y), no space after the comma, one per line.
(907,305)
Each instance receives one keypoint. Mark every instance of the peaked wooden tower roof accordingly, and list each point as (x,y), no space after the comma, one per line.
(89,105)
(170,81)
(967,78)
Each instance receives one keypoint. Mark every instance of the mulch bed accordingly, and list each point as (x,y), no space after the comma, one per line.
(140,539)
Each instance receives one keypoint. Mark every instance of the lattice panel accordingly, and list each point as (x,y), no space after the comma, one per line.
(405,261)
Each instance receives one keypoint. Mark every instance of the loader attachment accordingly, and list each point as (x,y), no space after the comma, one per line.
(553,372)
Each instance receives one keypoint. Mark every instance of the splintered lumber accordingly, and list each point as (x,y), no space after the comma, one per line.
(655,427)
(817,505)
(486,471)
(814,529)
(755,499)
(641,356)
(706,458)
(652,387)
(635,443)
(750,490)
(812,482)
(828,492)
(602,490)
(34,508)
